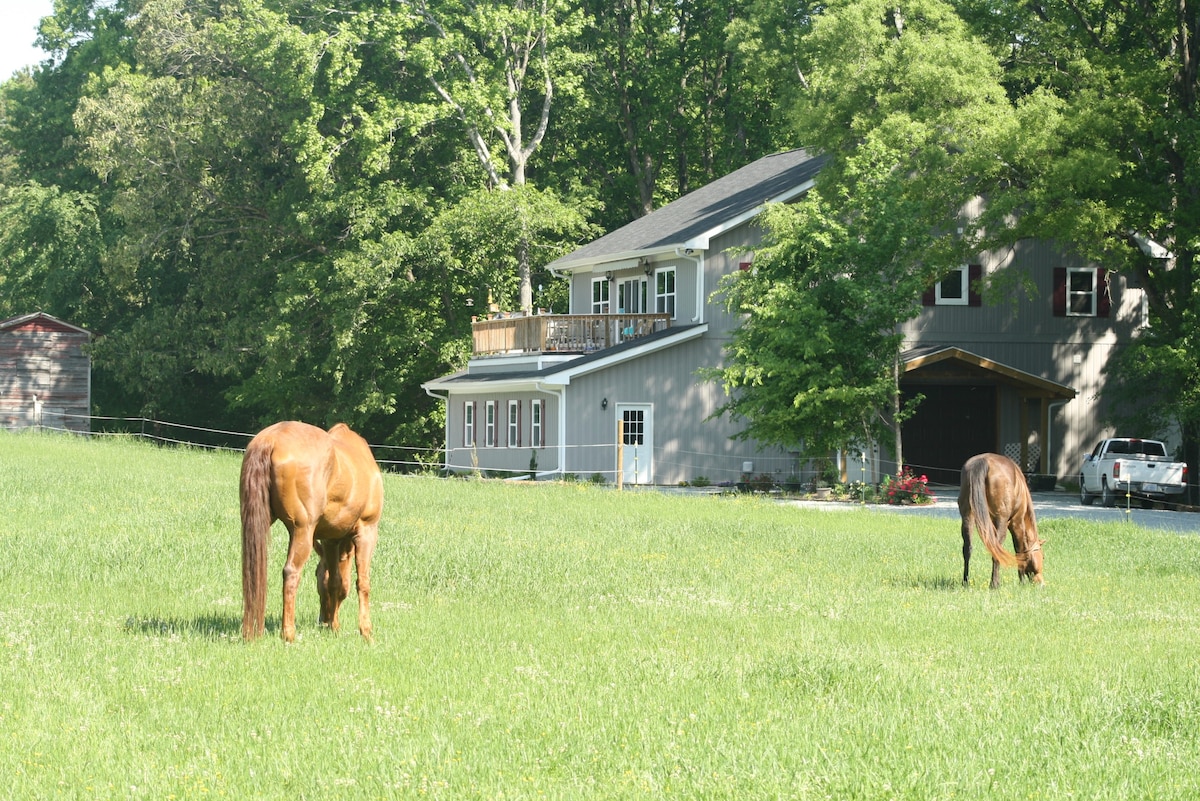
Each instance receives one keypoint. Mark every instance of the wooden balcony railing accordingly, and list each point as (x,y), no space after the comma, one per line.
(561,333)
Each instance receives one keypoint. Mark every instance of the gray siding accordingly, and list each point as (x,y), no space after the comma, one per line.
(687,444)
(1019,329)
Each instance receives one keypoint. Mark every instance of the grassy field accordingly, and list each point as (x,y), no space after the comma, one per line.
(569,641)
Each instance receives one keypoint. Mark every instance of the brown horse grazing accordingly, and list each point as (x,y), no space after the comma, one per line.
(995,497)
(327,490)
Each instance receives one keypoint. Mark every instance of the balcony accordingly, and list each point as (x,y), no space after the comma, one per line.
(512,333)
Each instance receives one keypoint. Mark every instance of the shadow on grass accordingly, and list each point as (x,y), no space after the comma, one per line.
(216,627)
(935,583)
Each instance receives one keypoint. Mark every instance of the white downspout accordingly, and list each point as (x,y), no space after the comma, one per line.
(561,394)
(687,254)
(446,433)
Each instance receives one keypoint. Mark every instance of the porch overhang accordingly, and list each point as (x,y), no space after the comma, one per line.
(950,365)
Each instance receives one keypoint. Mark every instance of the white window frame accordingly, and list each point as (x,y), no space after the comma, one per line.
(489,425)
(664,291)
(514,424)
(469,424)
(964,298)
(537,411)
(1090,296)
(600,295)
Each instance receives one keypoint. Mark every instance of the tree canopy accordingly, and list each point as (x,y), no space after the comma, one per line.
(269,208)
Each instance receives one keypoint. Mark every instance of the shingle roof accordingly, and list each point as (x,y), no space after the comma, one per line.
(693,218)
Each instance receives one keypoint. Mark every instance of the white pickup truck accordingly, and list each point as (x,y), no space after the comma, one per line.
(1137,466)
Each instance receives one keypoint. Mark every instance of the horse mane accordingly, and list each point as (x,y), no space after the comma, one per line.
(255,490)
(975,476)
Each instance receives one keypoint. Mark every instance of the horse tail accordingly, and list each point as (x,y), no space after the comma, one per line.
(255,491)
(992,539)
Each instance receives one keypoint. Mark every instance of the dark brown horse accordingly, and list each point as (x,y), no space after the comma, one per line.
(327,490)
(995,497)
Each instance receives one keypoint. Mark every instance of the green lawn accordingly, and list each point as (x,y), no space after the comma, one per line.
(570,641)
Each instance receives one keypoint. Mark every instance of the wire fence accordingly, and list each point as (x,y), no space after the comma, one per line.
(424,459)
(411,458)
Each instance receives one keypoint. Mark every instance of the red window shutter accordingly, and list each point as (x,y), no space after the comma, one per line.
(1103,298)
(974,276)
(744,266)
(930,296)
(1060,292)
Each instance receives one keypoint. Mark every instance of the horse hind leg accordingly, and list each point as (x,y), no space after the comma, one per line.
(364,548)
(966,549)
(300,547)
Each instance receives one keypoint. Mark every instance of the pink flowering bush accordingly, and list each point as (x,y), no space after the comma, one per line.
(907,488)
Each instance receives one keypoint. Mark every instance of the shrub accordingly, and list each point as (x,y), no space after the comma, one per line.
(907,487)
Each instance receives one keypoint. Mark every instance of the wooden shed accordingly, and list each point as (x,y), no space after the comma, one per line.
(45,374)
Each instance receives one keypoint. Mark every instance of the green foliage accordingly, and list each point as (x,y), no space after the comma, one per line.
(908,114)
(565,641)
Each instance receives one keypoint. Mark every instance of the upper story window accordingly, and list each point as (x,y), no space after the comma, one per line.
(960,287)
(600,290)
(952,290)
(631,296)
(664,292)
(1081,292)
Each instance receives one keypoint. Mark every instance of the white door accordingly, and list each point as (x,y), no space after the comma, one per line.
(636,448)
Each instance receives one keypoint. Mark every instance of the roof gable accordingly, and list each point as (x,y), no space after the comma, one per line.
(694,218)
(929,355)
(40,322)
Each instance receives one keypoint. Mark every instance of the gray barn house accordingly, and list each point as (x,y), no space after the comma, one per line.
(45,374)
(554,394)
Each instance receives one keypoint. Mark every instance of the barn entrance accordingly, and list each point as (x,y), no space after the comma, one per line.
(969,401)
(952,424)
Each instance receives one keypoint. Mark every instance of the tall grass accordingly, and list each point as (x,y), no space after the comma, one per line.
(567,641)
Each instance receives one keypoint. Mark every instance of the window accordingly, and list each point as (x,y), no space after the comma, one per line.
(514,424)
(536,432)
(664,292)
(1081,292)
(634,426)
(469,424)
(631,296)
(952,290)
(960,287)
(600,295)
(489,425)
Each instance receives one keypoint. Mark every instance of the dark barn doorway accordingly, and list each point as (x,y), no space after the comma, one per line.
(952,424)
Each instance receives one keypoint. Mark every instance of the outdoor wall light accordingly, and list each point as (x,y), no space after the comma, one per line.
(608,275)
(604,403)
(649,268)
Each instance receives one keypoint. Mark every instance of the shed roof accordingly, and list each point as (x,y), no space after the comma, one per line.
(40,321)
(694,219)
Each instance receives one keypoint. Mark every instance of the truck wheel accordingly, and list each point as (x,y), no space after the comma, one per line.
(1107,496)
(1085,497)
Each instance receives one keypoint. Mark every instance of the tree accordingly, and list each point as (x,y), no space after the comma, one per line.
(909,116)
(489,64)
(1108,161)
